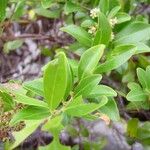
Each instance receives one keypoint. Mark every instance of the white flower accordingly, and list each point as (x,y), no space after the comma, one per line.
(94,12)
(92,30)
(113,21)
(112,36)
(134,4)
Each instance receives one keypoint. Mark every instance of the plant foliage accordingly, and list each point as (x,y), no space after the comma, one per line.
(111,44)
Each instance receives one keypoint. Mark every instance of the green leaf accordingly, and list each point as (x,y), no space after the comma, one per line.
(113,12)
(69,80)
(82,109)
(122,17)
(102,90)
(47,13)
(86,85)
(54,126)
(138,105)
(20,98)
(89,60)
(119,56)
(132,127)
(142,48)
(143,61)
(79,34)
(3,6)
(142,77)
(30,113)
(148,77)
(111,110)
(55,80)
(20,136)
(136,93)
(113,3)
(55,145)
(127,5)
(74,66)
(87,23)
(7,101)
(76,101)
(143,133)
(12,45)
(19,10)
(36,86)
(133,33)
(71,7)
(103,34)
(133,85)
(104,6)
(46,3)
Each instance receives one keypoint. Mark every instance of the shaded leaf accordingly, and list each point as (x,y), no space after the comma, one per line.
(36,86)
(47,13)
(79,34)
(71,7)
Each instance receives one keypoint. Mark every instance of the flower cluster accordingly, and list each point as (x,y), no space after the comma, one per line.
(94,13)
(112,36)
(113,21)
(92,29)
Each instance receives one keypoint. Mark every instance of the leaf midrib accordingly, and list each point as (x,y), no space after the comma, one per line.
(53,89)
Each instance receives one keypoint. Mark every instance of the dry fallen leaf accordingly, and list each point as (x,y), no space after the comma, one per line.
(105,118)
(12,86)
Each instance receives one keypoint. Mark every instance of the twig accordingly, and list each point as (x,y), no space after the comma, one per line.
(33,37)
